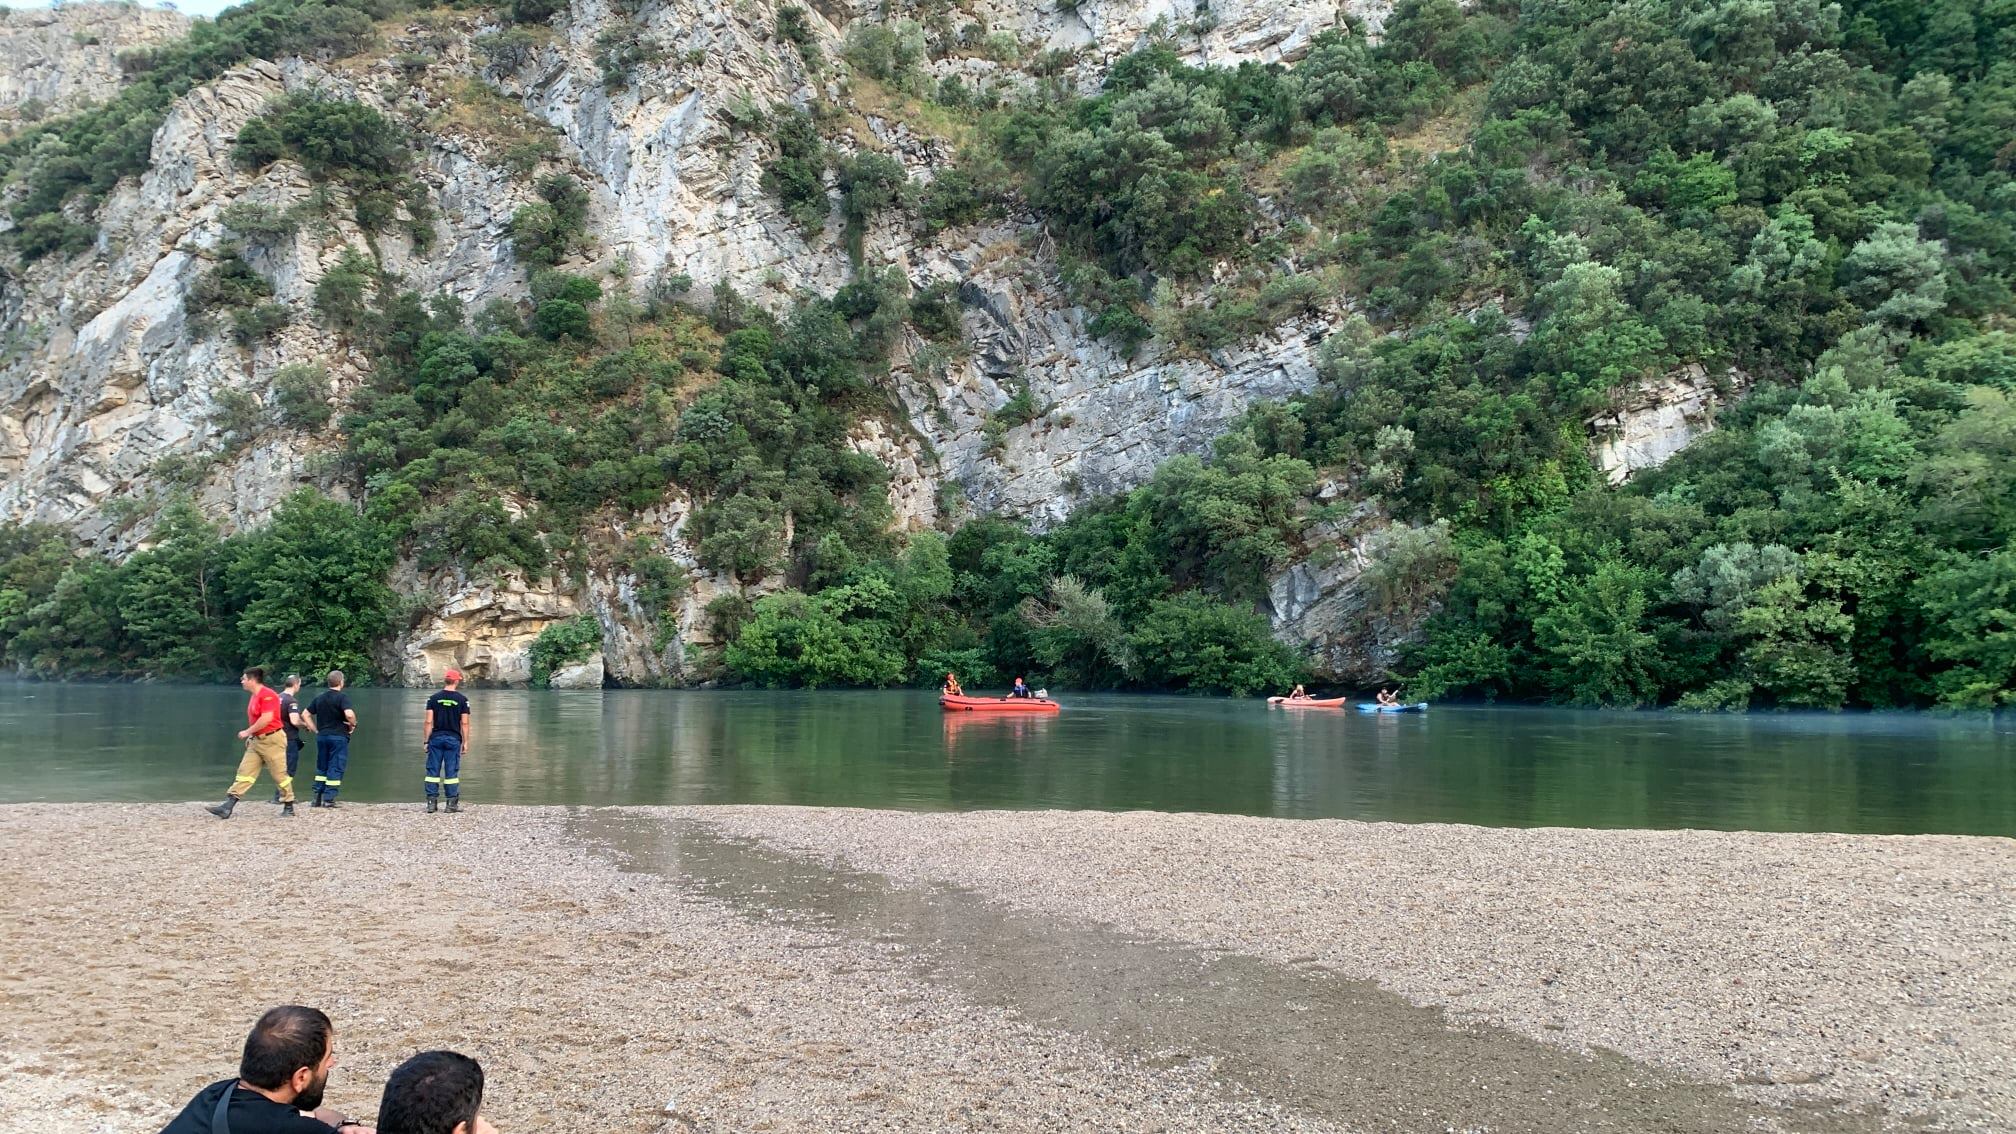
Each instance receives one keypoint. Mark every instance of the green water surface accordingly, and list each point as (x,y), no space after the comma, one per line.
(1495,766)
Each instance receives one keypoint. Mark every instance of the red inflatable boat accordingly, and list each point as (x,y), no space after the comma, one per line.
(964,704)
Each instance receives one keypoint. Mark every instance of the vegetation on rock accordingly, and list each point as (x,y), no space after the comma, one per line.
(1534,209)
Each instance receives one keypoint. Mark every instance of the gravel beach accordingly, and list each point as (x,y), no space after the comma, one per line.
(603,993)
(1876,969)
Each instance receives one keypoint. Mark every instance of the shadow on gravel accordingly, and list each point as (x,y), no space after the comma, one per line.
(1300,1037)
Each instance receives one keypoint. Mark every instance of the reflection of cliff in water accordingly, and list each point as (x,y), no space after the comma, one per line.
(1496,767)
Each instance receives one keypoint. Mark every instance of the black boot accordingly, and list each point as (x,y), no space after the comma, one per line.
(433,805)
(329,802)
(454,804)
(223,810)
(287,810)
(317,801)
(276,795)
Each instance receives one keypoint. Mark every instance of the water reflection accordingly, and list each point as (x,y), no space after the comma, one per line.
(1508,767)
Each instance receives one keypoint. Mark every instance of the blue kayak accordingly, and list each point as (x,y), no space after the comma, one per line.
(1375,707)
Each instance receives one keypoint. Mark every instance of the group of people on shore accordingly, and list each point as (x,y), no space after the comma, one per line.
(276,719)
(284,1072)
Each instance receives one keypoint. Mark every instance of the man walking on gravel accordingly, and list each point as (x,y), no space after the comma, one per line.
(264,746)
(445,724)
(332,720)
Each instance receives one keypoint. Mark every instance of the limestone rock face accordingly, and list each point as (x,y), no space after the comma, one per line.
(483,628)
(1224,33)
(580,675)
(121,379)
(68,57)
(1329,606)
(1103,421)
(109,389)
(1661,418)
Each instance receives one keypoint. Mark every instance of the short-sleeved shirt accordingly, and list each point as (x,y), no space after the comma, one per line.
(263,701)
(249,1113)
(328,710)
(445,710)
(288,707)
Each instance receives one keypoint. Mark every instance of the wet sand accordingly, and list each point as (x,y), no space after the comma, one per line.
(645,969)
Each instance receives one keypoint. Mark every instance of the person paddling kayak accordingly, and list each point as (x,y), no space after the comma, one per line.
(1299,694)
(1387,699)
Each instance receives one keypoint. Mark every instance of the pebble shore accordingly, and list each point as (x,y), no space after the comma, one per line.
(1876,969)
(138,941)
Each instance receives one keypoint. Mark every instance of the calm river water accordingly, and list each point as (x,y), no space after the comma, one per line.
(1503,767)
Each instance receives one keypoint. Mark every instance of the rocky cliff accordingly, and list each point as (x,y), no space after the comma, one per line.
(54,60)
(109,391)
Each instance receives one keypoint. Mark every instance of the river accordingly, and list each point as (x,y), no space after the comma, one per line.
(1902,773)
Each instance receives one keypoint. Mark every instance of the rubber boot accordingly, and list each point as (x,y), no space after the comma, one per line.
(433,805)
(223,810)
(318,796)
(330,803)
(287,811)
(454,804)
(276,795)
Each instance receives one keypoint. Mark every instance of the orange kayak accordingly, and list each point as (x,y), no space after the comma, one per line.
(1308,703)
(964,704)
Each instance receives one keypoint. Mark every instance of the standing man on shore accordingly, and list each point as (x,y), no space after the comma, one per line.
(445,724)
(332,720)
(264,746)
(290,723)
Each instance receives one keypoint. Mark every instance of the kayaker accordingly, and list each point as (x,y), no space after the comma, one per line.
(1387,699)
(951,686)
(1021,689)
(1298,695)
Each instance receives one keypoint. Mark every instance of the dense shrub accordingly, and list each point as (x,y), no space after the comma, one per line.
(562,644)
(797,175)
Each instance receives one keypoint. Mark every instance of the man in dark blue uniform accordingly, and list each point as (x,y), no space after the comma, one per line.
(332,719)
(446,727)
(291,713)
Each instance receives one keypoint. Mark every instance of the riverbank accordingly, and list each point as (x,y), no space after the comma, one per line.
(603,991)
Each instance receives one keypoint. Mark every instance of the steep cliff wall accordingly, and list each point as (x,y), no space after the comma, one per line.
(110,391)
(54,60)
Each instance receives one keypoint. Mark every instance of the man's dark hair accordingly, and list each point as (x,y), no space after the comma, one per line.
(284,1040)
(256,673)
(430,1094)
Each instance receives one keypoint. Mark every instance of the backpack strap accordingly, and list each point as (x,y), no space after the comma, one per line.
(220,1122)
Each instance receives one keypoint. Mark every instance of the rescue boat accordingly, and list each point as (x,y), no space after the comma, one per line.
(961,703)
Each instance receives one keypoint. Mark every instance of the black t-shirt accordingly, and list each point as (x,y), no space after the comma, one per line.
(445,710)
(250,1113)
(288,707)
(328,711)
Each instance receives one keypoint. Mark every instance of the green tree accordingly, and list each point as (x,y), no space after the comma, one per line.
(1596,643)
(311,587)
(172,598)
(1194,643)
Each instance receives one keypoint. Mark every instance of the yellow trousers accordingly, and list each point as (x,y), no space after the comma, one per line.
(270,752)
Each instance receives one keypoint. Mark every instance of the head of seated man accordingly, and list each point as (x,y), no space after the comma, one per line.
(281,1079)
(435,1092)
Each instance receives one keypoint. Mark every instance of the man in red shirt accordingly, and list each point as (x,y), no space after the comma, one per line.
(265,746)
